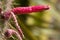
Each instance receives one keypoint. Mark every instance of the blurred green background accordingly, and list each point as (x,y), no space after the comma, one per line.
(40,25)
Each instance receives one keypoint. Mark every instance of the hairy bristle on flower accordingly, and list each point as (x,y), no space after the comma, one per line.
(25,10)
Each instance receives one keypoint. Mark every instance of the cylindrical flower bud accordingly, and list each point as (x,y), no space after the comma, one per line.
(25,10)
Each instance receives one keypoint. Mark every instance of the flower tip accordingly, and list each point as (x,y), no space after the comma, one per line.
(47,7)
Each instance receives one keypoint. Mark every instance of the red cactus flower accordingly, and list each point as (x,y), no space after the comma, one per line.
(25,10)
